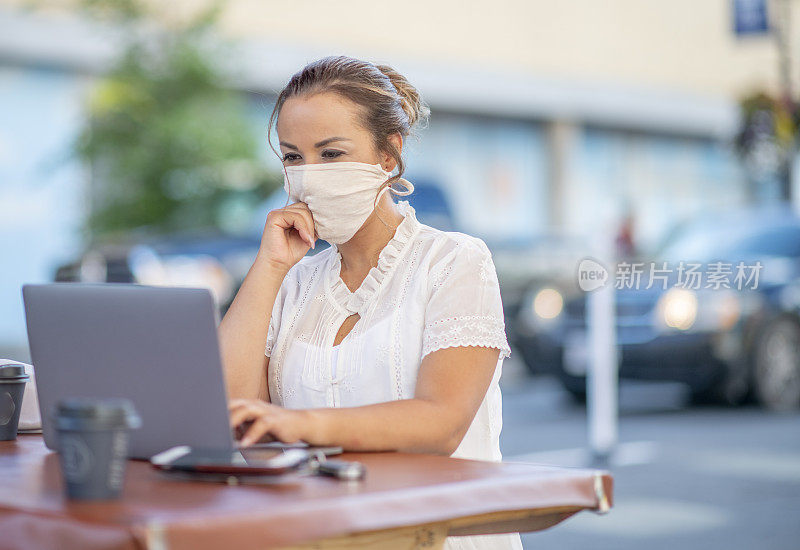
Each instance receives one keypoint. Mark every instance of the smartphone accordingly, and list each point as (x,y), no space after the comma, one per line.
(259,461)
(327,451)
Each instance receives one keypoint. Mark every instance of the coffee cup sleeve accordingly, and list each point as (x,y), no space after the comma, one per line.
(29,416)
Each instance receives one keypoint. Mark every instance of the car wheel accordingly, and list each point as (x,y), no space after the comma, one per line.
(575,387)
(528,359)
(578,396)
(776,375)
(731,389)
(727,393)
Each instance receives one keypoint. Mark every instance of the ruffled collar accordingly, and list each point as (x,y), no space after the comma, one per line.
(356,302)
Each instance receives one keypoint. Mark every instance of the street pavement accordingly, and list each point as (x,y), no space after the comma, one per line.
(685,476)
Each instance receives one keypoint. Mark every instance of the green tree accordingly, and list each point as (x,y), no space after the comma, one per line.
(170,145)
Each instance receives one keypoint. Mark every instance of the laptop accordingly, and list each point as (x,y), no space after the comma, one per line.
(154,345)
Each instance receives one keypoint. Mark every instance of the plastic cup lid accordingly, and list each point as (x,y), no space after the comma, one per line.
(114,410)
(12,371)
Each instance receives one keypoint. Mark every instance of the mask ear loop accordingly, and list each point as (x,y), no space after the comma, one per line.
(409,187)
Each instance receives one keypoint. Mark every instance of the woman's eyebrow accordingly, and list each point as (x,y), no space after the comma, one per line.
(319,144)
(330,139)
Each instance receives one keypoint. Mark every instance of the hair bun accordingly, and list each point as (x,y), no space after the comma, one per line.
(411,101)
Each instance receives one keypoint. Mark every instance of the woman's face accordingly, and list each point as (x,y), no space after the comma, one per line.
(324,128)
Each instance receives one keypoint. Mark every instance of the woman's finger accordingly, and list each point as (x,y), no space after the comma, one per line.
(292,218)
(241,429)
(262,425)
(244,413)
(238,403)
(304,211)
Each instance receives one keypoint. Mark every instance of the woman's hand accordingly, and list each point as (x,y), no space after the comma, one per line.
(288,234)
(258,421)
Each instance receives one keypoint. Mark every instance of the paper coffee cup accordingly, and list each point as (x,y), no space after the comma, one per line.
(12,390)
(93,445)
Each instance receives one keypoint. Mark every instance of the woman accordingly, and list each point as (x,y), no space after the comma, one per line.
(391,339)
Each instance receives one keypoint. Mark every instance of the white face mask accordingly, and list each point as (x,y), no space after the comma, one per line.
(340,195)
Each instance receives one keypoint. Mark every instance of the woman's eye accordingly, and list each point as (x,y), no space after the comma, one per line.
(332,154)
(289,156)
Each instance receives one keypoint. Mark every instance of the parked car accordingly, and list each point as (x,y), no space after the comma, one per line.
(726,343)
(211,259)
(431,204)
(525,267)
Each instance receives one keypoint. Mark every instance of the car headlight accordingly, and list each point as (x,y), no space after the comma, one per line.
(187,270)
(684,309)
(548,303)
(678,308)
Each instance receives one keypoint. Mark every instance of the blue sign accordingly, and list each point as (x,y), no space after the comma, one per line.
(750,17)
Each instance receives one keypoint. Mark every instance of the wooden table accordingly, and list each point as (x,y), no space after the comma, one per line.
(407,500)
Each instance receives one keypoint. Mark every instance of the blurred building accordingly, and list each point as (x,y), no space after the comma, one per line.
(546,116)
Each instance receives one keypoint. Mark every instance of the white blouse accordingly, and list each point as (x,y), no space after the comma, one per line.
(430,290)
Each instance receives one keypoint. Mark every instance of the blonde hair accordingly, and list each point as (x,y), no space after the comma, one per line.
(389,102)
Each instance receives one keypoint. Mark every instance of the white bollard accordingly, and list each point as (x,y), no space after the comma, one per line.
(602,372)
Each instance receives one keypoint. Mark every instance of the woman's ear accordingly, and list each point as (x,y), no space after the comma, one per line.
(387,160)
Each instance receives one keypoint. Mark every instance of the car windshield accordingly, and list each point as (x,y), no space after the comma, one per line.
(707,241)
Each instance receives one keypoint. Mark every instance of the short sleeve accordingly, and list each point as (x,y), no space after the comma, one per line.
(464,306)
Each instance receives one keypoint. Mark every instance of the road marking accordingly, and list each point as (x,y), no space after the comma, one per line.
(764,465)
(625,454)
(648,517)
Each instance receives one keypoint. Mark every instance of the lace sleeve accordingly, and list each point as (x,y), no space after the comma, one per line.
(464,308)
